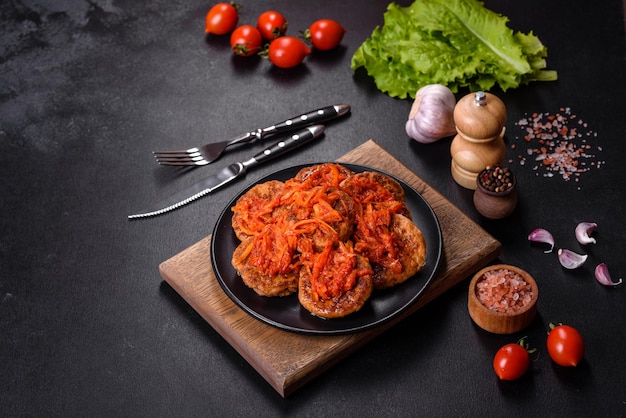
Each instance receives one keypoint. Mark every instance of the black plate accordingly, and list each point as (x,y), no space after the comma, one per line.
(286,312)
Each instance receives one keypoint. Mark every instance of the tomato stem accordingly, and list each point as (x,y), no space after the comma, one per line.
(306,36)
(264,52)
(526,346)
(552,325)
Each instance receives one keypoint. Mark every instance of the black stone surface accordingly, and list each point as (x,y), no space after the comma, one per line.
(88,89)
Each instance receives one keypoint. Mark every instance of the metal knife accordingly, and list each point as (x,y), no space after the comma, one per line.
(231,173)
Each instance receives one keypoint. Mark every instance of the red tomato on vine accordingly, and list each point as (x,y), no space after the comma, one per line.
(566,346)
(272,25)
(512,360)
(324,34)
(221,19)
(287,51)
(246,40)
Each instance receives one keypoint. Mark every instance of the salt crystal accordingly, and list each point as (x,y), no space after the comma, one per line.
(544,128)
(494,290)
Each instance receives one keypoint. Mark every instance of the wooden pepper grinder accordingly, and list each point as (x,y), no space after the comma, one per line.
(480,118)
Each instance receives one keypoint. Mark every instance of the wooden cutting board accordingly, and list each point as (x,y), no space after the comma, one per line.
(288,360)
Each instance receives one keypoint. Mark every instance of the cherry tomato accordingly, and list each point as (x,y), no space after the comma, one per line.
(565,345)
(325,34)
(246,40)
(511,362)
(221,19)
(287,51)
(271,24)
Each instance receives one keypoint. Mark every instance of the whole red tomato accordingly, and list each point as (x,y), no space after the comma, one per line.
(287,51)
(565,345)
(221,19)
(511,362)
(325,34)
(246,40)
(271,24)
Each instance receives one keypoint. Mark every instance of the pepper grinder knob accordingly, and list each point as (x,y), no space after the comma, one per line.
(479,98)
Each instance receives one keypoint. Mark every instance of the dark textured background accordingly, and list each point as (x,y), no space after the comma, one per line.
(87,327)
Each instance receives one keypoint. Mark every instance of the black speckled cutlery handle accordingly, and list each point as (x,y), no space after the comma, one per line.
(285,145)
(307,119)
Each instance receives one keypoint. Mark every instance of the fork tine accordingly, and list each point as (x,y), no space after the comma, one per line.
(183,162)
(177,155)
(180,158)
(177,151)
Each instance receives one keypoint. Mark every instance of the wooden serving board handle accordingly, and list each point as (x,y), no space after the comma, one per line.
(288,360)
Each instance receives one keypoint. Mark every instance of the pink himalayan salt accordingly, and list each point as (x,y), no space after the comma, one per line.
(503,290)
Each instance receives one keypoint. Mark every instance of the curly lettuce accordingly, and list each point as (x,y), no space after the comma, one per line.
(457,43)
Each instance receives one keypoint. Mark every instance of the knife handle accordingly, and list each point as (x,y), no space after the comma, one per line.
(307,119)
(285,145)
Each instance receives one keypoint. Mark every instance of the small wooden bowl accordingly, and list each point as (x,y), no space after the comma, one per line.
(495,205)
(502,322)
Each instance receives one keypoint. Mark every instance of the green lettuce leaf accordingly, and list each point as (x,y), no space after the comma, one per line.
(457,43)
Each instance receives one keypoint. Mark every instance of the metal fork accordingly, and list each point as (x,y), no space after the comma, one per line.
(208,153)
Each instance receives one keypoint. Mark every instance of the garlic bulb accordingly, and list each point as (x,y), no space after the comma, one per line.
(431,117)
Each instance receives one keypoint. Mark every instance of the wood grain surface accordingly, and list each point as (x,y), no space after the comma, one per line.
(288,360)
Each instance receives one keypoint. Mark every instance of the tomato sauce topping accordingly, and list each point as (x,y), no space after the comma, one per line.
(334,271)
(272,252)
(299,226)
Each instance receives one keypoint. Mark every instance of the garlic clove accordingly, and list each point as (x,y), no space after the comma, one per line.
(603,277)
(583,230)
(432,114)
(571,260)
(543,236)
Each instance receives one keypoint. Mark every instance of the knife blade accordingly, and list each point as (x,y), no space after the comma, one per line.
(230,173)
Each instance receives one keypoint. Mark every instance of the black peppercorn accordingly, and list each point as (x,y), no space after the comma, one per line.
(496,179)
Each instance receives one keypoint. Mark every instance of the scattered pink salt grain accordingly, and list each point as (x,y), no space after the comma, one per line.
(559,144)
(503,290)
